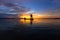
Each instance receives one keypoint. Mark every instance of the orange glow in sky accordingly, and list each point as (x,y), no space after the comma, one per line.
(34,16)
(25,16)
(28,16)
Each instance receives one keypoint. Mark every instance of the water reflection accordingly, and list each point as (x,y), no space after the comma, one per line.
(35,21)
(40,22)
(8,24)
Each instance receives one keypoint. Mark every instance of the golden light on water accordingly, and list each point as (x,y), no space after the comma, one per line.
(24,21)
(28,20)
(35,21)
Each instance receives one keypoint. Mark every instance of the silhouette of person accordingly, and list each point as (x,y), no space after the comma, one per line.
(31,17)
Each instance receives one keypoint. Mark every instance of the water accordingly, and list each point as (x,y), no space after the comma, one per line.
(32,29)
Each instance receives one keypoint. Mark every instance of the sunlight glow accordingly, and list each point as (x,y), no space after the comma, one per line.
(30,11)
(28,16)
(35,21)
(25,16)
(36,18)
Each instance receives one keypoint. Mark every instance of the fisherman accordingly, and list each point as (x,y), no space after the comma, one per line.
(31,17)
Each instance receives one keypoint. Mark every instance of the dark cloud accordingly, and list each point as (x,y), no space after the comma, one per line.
(12,7)
(13,1)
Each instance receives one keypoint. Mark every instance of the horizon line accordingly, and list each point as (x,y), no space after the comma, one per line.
(29,18)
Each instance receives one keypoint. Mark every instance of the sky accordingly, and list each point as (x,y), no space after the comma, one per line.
(45,7)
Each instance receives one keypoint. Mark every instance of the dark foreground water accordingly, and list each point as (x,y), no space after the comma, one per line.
(48,29)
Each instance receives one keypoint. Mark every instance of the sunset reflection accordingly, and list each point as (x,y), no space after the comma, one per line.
(24,21)
(35,21)
(30,18)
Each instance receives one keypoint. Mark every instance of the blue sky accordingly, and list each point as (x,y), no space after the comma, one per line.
(45,6)
(42,5)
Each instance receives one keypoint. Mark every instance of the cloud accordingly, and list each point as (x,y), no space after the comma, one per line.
(15,1)
(54,11)
(8,7)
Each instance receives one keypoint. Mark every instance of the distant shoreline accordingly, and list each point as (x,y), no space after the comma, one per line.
(28,18)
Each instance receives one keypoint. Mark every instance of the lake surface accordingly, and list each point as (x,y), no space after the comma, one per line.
(32,29)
